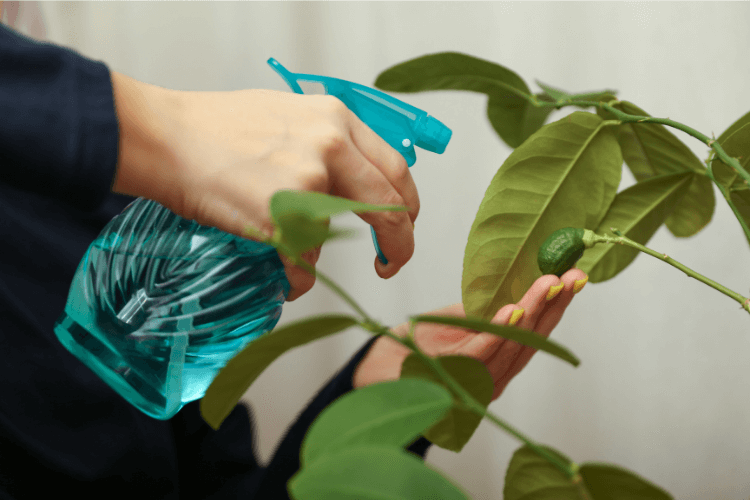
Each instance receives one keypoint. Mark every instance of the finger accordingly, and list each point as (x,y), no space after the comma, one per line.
(543,319)
(390,163)
(535,301)
(372,171)
(497,353)
(555,308)
(300,281)
(484,345)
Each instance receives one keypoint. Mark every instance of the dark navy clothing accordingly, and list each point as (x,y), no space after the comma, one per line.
(62,429)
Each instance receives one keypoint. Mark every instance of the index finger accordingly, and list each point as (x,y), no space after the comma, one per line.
(393,166)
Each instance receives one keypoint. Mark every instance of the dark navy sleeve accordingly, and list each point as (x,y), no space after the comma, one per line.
(217,465)
(285,462)
(58,132)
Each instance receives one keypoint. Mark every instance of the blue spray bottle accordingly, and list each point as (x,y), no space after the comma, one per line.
(159,304)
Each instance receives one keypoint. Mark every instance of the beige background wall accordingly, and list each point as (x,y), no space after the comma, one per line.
(663,385)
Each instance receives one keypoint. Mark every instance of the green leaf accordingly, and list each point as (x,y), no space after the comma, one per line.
(319,206)
(555,94)
(565,175)
(514,121)
(637,212)
(561,95)
(741,122)
(511,114)
(603,95)
(531,477)
(371,473)
(242,370)
(302,219)
(651,150)
(523,337)
(388,413)
(297,233)
(736,145)
(611,482)
(455,429)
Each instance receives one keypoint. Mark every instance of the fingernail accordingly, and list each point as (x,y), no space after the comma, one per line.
(515,316)
(579,284)
(554,290)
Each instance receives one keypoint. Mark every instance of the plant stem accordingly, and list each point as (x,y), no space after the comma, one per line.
(624,240)
(469,402)
(472,404)
(333,286)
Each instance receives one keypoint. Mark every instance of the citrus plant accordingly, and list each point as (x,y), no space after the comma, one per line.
(543,212)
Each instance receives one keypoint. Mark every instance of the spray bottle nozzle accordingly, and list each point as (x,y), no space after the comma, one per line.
(401,125)
(433,135)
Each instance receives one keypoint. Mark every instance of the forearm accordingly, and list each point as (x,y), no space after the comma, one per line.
(145,115)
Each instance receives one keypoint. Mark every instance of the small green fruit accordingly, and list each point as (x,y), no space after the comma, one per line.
(561,251)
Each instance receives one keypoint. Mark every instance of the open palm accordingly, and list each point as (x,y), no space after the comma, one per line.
(503,358)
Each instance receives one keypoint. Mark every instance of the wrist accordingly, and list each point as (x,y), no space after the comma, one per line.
(381,363)
(145,116)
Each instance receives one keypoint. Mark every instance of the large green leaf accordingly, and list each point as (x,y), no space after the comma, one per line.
(736,145)
(565,175)
(242,370)
(651,150)
(392,413)
(531,477)
(637,212)
(371,473)
(611,482)
(523,337)
(509,110)
(457,426)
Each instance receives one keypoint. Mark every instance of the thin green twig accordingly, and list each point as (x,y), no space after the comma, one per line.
(624,240)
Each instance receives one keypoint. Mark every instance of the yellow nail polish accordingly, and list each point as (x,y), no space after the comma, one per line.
(579,284)
(554,290)
(516,316)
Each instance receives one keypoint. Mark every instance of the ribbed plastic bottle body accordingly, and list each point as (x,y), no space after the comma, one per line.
(159,304)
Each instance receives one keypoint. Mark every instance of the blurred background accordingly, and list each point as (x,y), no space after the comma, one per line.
(663,384)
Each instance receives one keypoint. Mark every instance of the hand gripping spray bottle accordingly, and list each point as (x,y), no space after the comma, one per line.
(159,304)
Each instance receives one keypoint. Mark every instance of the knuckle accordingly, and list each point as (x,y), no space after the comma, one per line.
(402,169)
(393,219)
(333,141)
(315,179)
(335,105)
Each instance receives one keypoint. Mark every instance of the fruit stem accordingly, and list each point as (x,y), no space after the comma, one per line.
(624,240)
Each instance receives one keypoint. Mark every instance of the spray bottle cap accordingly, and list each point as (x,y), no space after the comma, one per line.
(433,135)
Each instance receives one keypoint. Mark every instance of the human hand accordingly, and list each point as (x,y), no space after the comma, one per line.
(503,358)
(218,158)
